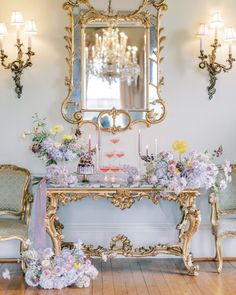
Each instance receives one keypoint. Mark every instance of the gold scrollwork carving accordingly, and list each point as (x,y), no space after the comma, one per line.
(124,199)
(155,111)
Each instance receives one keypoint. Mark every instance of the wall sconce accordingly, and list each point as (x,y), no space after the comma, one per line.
(209,61)
(18,65)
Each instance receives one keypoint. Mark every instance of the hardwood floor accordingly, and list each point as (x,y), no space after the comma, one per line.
(137,277)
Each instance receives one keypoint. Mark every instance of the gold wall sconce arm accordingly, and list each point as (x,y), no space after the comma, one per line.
(19,64)
(209,61)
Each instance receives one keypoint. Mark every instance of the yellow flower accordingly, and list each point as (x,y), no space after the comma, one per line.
(46,263)
(23,135)
(56,129)
(179,146)
(77,264)
(177,171)
(67,137)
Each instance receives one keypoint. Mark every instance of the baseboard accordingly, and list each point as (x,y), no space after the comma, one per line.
(213,259)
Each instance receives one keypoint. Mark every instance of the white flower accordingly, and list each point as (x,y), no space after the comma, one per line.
(28,242)
(46,263)
(78,245)
(92,272)
(223,185)
(104,257)
(83,282)
(30,254)
(6,274)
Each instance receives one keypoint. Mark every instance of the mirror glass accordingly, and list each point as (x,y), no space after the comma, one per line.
(114,68)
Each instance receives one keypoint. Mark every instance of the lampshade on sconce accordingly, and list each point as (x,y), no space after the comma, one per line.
(209,61)
(3,30)
(216,21)
(18,65)
(17,18)
(30,27)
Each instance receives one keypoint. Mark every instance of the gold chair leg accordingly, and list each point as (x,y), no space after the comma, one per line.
(23,247)
(219,254)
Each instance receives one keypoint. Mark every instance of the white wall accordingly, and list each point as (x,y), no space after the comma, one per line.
(191,116)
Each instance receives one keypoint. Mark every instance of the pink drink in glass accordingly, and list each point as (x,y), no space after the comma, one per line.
(115,140)
(120,154)
(109,155)
(115,169)
(104,169)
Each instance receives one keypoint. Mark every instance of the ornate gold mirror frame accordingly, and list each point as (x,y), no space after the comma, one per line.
(72,109)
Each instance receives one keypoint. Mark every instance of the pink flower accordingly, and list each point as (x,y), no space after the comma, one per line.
(71,259)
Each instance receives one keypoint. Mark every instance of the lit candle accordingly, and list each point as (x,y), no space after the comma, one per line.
(201,43)
(230,47)
(156,146)
(97,154)
(216,33)
(146,150)
(1,42)
(203,32)
(3,33)
(29,41)
(30,30)
(89,144)
(139,142)
(99,138)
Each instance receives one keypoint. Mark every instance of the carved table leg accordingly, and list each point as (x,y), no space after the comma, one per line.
(188,227)
(53,226)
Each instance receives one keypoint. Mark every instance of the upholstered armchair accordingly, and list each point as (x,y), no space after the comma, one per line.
(223,216)
(15,204)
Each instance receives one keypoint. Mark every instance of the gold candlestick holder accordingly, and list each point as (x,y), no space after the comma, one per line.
(18,65)
(213,67)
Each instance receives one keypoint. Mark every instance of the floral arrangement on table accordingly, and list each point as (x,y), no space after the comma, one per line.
(47,271)
(53,148)
(177,170)
(131,171)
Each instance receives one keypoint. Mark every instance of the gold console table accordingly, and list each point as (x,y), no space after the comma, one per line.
(123,198)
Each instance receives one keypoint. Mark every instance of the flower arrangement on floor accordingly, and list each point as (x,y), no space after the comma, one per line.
(177,170)
(47,146)
(47,271)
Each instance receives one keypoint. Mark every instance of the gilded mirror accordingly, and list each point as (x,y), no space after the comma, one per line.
(114,59)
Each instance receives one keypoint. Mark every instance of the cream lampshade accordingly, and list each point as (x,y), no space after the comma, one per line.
(30,27)
(17,18)
(30,30)
(216,21)
(3,33)
(230,36)
(203,32)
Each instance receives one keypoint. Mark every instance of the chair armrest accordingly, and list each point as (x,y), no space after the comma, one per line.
(213,201)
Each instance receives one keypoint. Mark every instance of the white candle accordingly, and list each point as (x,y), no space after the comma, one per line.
(146,150)
(89,144)
(29,41)
(201,43)
(1,42)
(17,31)
(156,146)
(216,33)
(99,138)
(230,47)
(97,154)
(139,142)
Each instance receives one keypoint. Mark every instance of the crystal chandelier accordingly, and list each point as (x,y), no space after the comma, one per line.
(110,58)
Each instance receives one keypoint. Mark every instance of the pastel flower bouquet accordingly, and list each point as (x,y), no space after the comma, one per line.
(177,170)
(47,271)
(55,148)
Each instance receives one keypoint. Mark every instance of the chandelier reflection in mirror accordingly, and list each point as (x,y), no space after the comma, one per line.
(110,58)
